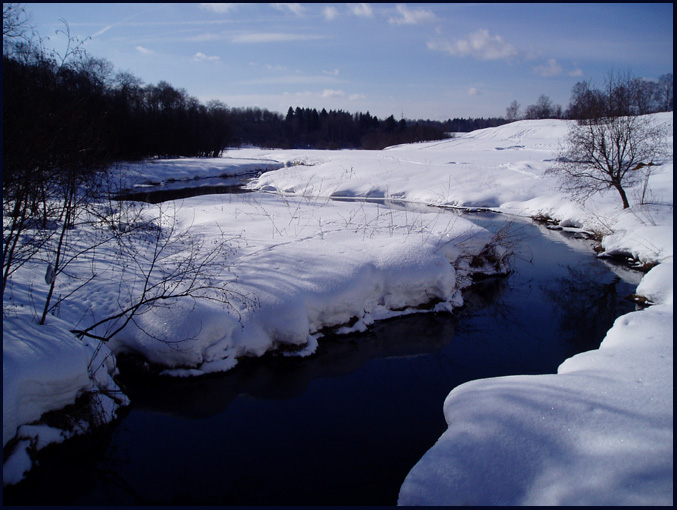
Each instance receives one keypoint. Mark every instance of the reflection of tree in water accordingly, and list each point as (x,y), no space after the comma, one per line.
(491,305)
(482,293)
(274,377)
(586,304)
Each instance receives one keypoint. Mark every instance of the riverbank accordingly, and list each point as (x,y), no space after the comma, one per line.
(341,410)
(600,432)
(335,262)
(286,271)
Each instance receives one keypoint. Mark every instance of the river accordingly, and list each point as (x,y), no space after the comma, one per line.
(345,426)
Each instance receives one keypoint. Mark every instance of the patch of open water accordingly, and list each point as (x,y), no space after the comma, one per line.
(176,190)
(345,426)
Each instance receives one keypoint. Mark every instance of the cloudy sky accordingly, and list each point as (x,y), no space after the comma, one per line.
(416,60)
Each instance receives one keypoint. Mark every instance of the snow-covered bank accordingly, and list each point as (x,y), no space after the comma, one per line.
(600,432)
(503,169)
(304,264)
(295,267)
(167,173)
(45,368)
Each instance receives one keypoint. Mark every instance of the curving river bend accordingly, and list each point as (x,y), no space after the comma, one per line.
(345,426)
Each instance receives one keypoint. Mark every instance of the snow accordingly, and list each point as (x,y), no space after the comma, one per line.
(172,173)
(301,266)
(45,368)
(643,232)
(597,432)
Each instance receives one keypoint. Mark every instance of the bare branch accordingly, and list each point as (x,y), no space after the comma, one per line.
(605,153)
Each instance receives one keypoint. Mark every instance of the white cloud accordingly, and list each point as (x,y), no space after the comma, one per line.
(294,79)
(144,51)
(480,45)
(576,72)
(362,10)
(220,8)
(102,31)
(206,37)
(472,91)
(335,72)
(268,37)
(296,9)
(201,56)
(333,93)
(552,68)
(412,17)
(330,13)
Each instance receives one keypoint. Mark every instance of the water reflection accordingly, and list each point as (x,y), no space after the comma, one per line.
(181,189)
(585,302)
(277,377)
(346,425)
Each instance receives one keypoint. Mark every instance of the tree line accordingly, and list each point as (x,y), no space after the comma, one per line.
(74,109)
(79,105)
(308,128)
(66,109)
(620,94)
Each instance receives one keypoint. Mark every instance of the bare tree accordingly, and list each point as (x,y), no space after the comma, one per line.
(609,152)
(16,26)
(160,263)
(665,92)
(52,148)
(586,102)
(543,109)
(512,112)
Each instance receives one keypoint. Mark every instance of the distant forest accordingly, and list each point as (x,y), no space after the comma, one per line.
(82,105)
(307,128)
(74,109)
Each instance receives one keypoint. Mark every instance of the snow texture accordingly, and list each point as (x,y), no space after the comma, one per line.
(597,432)
(45,368)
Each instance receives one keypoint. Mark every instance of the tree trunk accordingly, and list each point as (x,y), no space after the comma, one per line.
(624,196)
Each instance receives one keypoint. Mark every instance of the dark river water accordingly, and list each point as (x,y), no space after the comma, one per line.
(345,426)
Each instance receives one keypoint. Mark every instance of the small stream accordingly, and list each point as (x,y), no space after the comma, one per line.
(176,190)
(345,426)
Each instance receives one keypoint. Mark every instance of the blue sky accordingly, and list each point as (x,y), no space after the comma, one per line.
(430,61)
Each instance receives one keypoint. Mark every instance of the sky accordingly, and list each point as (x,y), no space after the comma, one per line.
(417,61)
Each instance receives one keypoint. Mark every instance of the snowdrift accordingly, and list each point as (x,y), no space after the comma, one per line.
(598,432)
